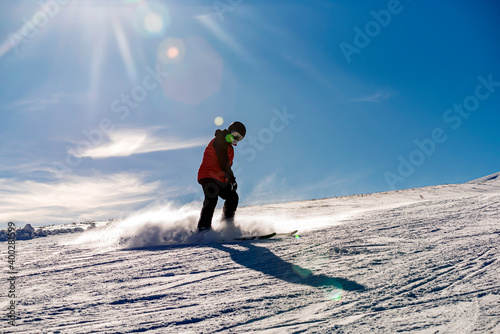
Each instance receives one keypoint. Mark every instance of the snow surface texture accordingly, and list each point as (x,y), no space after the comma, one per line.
(415,261)
(489,178)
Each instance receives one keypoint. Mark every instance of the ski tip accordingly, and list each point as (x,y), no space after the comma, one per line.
(287,234)
(270,235)
(257,237)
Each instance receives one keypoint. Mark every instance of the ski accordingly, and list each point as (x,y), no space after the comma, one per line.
(198,237)
(288,234)
(257,237)
(268,236)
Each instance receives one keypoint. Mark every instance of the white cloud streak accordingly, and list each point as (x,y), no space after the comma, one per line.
(75,198)
(47,103)
(124,143)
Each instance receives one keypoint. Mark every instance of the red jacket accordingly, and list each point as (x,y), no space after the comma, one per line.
(218,159)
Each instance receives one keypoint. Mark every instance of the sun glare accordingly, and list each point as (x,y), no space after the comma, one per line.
(151,18)
(219,121)
(153,22)
(173,52)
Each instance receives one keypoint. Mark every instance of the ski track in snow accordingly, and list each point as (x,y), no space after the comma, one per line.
(417,261)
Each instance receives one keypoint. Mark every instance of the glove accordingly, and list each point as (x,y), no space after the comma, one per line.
(233,185)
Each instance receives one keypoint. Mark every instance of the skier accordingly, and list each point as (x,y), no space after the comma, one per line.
(217,178)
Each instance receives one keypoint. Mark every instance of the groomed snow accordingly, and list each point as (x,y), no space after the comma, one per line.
(415,261)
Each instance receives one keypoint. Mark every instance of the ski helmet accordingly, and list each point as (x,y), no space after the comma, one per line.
(237,127)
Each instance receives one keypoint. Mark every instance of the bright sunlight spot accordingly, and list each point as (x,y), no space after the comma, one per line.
(173,52)
(151,18)
(219,121)
(153,22)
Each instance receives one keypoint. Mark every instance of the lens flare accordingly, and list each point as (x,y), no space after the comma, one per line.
(171,50)
(219,121)
(334,294)
(151,18)
(153,22)
(302,272)
(195,74)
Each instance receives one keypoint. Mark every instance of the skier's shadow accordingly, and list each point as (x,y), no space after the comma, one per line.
(262,259)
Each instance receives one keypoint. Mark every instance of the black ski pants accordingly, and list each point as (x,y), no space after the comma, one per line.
(213,189)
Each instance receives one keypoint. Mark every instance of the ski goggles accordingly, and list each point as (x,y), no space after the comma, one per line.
(237,137)
(234,137)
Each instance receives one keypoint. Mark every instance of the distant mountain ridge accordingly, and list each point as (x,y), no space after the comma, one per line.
(488,178)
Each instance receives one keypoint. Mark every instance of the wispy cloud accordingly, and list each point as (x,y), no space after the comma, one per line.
(376,97)
(309,69)
(122,143)
(338,183)
(75,198)
(270,189)
(273,189)
(42,103)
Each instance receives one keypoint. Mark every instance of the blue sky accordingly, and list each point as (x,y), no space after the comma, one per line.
(107,106)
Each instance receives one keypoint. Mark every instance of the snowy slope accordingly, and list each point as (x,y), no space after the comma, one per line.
(489,178)
(415,261)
